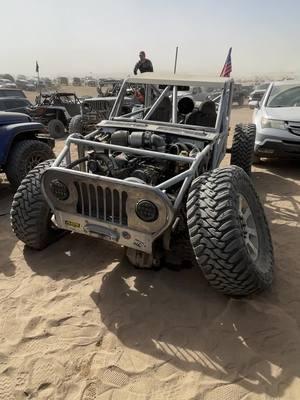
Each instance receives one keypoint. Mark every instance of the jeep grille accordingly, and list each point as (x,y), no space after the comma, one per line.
(108,205)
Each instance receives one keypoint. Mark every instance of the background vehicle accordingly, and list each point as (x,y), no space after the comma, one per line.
(62,80)
(262,86)
(108,87)
(55,111)
(154,187)
(48,82)
(12,93)
(91,82)
(25,84)
(15,104)
(277,120)
(23,145)
(76,81)
(94,110)
(248,89)
(239,94)
(197,93)
(6,83)
(7,76)
(255,97)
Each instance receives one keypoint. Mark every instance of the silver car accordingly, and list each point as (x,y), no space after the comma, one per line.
(277,120)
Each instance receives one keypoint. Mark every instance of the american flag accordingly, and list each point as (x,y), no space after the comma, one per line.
(227,66)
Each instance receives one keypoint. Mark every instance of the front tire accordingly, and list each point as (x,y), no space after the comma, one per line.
(229,232)
(24,156)
(30,214)
(56,129)
(76,125)
(242,150)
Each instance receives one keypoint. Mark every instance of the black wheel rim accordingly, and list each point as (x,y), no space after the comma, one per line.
(33,161)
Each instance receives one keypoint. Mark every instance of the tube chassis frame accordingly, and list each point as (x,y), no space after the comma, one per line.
(214,142)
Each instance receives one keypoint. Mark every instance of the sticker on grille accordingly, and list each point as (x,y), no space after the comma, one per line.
(103,203)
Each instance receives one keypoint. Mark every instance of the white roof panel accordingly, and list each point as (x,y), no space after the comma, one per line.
(176,79)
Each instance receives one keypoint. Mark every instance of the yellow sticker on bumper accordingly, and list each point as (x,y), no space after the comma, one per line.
(72,224)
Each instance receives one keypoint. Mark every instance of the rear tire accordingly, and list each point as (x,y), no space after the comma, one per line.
(30,214)
(56,129)
(24,156)
(220,236)
(76,125)
(241,101)
(242,151)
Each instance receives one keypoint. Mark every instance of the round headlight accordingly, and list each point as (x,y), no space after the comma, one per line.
(59,189)
(146,210)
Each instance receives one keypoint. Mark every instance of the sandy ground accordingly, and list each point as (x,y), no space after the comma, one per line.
(77,322)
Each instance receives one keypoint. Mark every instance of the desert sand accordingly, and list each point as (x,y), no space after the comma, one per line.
(78,322)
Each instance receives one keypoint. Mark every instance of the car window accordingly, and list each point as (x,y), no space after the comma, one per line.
(257,96)
(284,96)
(11,93)
(15,103)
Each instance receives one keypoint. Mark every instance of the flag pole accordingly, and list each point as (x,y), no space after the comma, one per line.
(37,70)
(175,64)
(174,101)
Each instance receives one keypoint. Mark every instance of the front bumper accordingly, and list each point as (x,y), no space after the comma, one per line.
(281,143)
(105,208)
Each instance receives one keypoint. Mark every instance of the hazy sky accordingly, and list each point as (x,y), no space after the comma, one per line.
(77,37)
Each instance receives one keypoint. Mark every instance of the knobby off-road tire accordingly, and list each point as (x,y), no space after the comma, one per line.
(76,125)
(24,156)
(30,214)
(56,129)
(242,151)
(217,232)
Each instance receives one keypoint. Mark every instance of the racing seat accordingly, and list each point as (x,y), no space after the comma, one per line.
(163,112)
(205,116)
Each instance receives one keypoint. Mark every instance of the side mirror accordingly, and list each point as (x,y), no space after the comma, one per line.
(257,105)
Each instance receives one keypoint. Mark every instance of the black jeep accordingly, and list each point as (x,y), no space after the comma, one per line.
(55,111)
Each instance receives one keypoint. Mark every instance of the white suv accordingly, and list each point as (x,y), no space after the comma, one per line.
(277,120)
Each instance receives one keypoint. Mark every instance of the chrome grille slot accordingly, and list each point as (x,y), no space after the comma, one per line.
(294,128)
(101,202)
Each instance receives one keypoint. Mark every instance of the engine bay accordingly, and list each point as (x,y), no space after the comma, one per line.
(142,169)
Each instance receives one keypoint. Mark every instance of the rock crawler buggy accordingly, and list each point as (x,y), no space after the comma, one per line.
(155,187)
(55,111)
